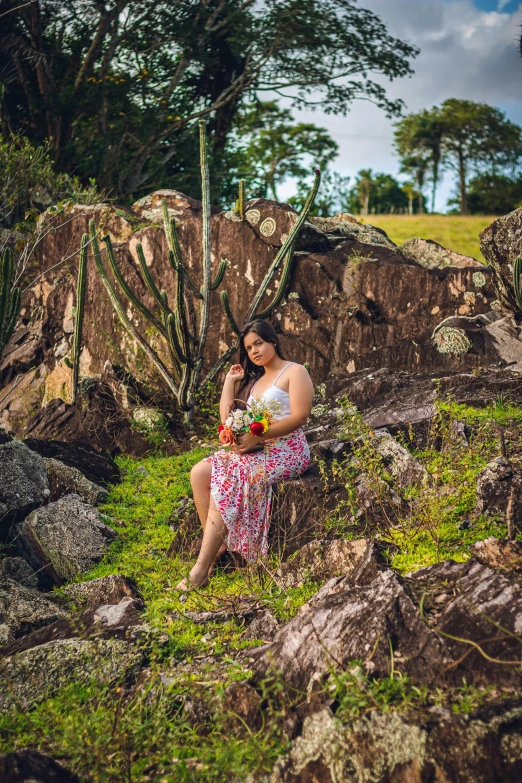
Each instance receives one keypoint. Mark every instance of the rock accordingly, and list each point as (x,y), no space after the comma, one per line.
(322,560)
(494,486)
(375,502)
(241,705)
(431,255)
(65,538)
(97,467)
(109,621)
(23,483)
(353,624)
(404,468)
(469,604)
(501,243)
(19,570)
(500,555)
(381,747)
(264,627)
(64,480)
(30,765)
(149,419)
(29,677)
(23,610)
(104,590)
(344,225)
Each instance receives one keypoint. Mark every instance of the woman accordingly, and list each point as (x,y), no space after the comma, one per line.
(232,488)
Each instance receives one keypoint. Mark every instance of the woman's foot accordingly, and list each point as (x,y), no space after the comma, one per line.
(222,550)
(198,578)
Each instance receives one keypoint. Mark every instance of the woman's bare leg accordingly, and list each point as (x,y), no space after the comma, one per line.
(213,540)
(200,481)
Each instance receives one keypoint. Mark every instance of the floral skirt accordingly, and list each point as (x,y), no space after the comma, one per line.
(241,487)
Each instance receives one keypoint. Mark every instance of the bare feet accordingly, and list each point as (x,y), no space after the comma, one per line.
(198,578)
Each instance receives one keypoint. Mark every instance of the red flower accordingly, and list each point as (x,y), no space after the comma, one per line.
(256,428)
(221,427)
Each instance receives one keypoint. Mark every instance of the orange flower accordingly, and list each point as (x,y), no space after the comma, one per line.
(226,436)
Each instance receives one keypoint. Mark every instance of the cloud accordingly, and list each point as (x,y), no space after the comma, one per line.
(466,52)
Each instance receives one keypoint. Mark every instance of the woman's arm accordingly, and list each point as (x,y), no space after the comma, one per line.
(301,390)
(233,377)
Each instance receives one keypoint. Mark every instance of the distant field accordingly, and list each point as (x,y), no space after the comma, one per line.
(459,233)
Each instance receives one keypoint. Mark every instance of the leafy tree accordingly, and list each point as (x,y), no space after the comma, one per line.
(494,194)
(332,198)
(418,142)
(477,137)
(275,147)
(379,194)
(118,85)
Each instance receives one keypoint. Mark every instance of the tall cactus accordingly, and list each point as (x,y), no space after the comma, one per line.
(10,299)
(184,330)
(285,254)
(78,321)
(517,283)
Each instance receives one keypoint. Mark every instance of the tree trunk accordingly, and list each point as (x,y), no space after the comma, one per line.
(462,184)
(410,204)
(435,175)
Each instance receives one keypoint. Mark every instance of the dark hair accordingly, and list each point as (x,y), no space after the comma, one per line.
(267,333)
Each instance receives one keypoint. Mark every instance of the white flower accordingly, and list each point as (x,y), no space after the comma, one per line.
(229,421)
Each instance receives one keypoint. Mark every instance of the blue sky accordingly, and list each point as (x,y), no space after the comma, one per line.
(469,49)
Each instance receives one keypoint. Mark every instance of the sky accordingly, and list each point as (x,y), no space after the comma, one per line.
(469,49)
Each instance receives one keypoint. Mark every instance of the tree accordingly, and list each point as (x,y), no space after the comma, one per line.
(275,147)
(332,198)
(494,194)
(477,137)
(418,142)
(378,194)
(118,85)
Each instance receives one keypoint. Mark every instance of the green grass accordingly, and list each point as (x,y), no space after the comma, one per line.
(456,232)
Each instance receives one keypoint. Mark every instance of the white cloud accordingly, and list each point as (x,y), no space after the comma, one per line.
(465,53)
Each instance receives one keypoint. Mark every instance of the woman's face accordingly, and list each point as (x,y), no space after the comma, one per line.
(258,351)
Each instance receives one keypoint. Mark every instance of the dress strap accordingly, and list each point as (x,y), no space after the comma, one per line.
(282,371)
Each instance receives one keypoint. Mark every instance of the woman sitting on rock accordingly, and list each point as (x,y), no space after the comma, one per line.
(233,487)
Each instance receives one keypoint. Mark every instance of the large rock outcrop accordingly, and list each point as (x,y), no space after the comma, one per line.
(501,243)
(23,483)
(352,302)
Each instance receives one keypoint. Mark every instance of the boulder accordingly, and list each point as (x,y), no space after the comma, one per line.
(431,255)
(105,590)
(501,243)
(500,555)
(65,538)
(375,503)
(64,480)
(98,467)
(25,765)
(354,623)
(23,610)
(34,675)
(321,560)
(379,747)
(109,621)
(23,483)
(494,488)
(19,570)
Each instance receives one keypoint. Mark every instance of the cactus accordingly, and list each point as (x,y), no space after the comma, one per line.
(240,203)
(184,330)
(78,321)
(285,254)
(517,283)
(10,299)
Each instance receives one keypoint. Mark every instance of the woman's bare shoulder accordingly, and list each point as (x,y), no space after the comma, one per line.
(298,371)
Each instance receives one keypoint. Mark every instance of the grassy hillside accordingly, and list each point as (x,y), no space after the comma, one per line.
(458,232)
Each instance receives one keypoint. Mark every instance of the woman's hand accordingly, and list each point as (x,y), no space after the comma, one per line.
(236,373)
(246,442)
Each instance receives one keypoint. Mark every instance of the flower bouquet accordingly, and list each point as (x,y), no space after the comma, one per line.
(256,419)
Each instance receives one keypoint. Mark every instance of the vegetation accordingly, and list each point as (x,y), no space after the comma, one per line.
(458,232)
(118,86)
(462,136)
(78,320)
(10,299)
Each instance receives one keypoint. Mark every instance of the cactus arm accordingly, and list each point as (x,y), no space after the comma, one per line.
(174,341)
(290,241)
(221,363)
(16,302)
(149,282)
(228,312)
(241,199)
(120,312)
(128,291)
(207,261)
(219,275)
(517,282)
(78,321)
(175,256)
(285,275)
